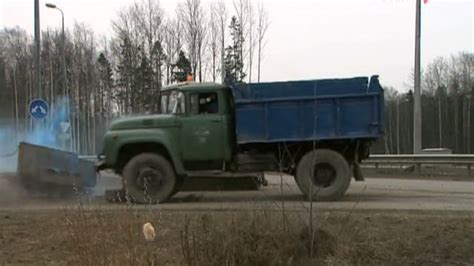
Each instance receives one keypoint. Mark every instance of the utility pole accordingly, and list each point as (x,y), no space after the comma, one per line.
(37,49)
(417,146)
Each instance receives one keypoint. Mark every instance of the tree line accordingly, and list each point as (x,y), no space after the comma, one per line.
(122,74)
(447,112)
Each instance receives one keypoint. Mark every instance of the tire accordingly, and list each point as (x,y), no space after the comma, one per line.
(149,178)
(331,173)
(178,186)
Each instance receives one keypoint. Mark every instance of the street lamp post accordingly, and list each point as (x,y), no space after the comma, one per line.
(38,49)
(64,79)
(417,145)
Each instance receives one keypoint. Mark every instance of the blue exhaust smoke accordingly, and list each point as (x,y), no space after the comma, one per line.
(48,132)
(45,132)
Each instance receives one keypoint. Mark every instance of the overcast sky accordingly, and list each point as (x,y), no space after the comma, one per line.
(310,38)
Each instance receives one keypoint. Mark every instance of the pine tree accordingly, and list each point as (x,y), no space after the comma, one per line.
(143,89)
(234,65)
(182,68)
(105,83)
(159,58)
(125,71)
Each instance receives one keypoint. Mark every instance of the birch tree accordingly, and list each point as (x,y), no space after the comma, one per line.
(192,14)
(262,27)
(221,15)
(214,39)
(173,44)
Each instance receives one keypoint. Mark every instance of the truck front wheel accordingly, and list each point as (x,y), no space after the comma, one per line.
(323,175)
(149,178)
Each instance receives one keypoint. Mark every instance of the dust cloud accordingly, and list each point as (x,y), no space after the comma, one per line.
(44,132)
(10,191)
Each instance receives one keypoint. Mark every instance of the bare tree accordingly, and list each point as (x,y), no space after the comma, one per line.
(15,44)
(173,44)
(436,84)
(140,55)
(221,11)
(262,27)
(252,36)
(241,9)
(193,19)
(466,70)
(16,56)
(454,89)
(149,16)
(201,43)
(214,39)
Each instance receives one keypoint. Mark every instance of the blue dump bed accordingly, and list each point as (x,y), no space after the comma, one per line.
(305,110)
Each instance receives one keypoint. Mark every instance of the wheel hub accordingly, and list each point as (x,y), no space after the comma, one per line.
(324,175)
(148,178)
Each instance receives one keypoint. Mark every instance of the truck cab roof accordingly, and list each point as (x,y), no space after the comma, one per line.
(190,86)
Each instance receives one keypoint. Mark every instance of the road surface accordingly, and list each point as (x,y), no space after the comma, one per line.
(374,193)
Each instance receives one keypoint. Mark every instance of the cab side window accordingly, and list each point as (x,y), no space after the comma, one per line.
(204,103)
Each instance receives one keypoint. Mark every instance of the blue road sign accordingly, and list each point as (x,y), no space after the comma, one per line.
(38,108)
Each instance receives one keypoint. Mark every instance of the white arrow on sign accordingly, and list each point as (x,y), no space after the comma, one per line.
(41,109)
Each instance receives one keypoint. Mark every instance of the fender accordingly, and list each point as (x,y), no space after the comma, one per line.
(165,137)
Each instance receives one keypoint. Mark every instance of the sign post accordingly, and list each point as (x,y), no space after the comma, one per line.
(64,134)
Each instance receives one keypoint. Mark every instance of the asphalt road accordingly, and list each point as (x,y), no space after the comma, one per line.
(374,193)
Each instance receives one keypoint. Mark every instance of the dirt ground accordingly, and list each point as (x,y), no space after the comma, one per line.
(81,236)
(383,221)
(375,193)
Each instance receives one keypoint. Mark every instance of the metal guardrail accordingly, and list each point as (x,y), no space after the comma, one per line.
(418,160)
(88,157)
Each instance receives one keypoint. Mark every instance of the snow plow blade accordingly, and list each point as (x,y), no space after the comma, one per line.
(43,167)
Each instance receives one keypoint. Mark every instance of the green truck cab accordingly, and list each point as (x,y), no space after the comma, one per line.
(196,134)
(193,128)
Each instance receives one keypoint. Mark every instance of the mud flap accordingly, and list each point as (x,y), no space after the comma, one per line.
(357,172)
(47,166)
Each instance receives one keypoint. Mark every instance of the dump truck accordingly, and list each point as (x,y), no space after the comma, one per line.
(315,130)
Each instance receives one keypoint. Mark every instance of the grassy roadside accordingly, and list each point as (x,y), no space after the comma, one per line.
(82,236)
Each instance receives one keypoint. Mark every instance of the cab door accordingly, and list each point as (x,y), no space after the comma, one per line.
(203,129)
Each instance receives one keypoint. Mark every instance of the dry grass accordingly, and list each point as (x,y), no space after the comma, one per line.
(81,235)
(256,237)
(251,238)
(110,238)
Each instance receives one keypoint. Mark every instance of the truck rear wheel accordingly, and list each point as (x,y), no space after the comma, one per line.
(323,175)
(149,178)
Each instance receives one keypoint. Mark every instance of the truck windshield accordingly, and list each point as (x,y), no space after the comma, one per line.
(172,102)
